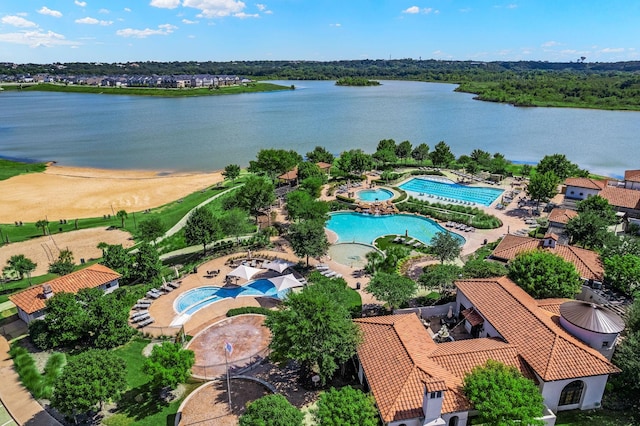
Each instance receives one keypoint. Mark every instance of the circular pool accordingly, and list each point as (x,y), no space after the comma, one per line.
(354,255)
(377,194)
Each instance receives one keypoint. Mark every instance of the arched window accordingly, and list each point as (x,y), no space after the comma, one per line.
(572,393)
(453,421)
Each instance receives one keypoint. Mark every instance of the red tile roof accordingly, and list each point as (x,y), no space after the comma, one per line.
(472,317)
(400,360)
(562,215)
(621,197)
(552,304)
(587,262)
(32,299)
(547,348)
(322,165)
(585,183)
(290,175)
(632,175)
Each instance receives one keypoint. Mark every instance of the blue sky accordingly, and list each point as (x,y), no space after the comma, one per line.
(45,31)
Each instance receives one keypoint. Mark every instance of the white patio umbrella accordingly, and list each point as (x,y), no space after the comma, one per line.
(278,265)
(284,282)
(245,272)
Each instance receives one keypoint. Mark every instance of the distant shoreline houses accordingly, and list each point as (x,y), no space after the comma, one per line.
(125,80)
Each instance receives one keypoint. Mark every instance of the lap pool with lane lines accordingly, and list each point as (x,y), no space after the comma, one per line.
(483,195)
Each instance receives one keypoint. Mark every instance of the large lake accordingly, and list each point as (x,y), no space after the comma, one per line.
(207,133)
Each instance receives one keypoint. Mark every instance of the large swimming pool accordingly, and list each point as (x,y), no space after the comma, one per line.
(363,228)
(195,299)
(445,190)
(378,194)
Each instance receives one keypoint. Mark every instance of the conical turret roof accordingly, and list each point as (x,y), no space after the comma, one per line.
(592,317)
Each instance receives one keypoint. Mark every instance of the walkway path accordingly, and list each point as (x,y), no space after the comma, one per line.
(18,401)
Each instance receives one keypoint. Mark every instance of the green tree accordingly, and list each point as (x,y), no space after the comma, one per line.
(313,185)
(169,365)
(482,158)
(21,265)
(118,259)
(525,170)
(420,152)
(346,406)
(314,329)
(307,238)
(633,316)
(588,229)
(623,272)
(107,319)
(236,223)
(88,381)
(445,246)
(385,156)
(231,172)
(151,229)
(201,228)
(627,383)
(354,161)
(63,265)
(503,396)
(146,263)
(122,215)
(392,257)
(600,206)
(257,194)
(274,162)
(271,410)
(391,288)
(308,169)
(404,149)
(498,164)
(374,261)
(43,224)
(386,145)
(543,274)
(559,165)
(440,277)
(320,154)
(302,206)
(441,156)
(478,268)
(542,187)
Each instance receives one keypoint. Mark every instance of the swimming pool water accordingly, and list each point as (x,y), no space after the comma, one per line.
(476,194)
(374,194)
(363,228)
(195,299)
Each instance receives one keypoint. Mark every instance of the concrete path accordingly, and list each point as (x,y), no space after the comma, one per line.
(23,409)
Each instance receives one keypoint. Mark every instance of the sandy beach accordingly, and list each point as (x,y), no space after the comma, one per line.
(63,192)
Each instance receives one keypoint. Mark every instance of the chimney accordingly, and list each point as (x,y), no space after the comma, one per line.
(47,291)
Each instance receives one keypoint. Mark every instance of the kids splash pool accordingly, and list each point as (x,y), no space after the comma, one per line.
(378,194)
(445,190)
(362,228)
(195,299)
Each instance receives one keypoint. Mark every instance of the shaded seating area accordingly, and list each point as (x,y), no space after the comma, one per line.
(377,208)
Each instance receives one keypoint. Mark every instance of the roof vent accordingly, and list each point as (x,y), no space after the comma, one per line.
(47,291)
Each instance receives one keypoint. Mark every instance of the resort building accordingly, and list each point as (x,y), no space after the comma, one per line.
(581,188)
(31,302)
(623,195)
(558,219)
(587,262)
(416,381)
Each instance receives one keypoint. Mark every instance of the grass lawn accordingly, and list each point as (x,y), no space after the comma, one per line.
(9,168)
(140,404)
(602,417)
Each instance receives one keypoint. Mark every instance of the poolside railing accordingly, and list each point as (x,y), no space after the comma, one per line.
(236,366)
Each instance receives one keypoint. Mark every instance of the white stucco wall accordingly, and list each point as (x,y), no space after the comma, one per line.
(463,417)
(591,394)
(603,343)
(410,422)
(577,193)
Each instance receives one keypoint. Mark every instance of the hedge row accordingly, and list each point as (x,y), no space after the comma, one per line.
(40,385)
(248,310)
(468,215)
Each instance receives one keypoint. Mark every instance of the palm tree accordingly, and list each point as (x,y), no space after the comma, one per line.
(22,265)
(103,246)
(43,223)
(374,260)
(122,215)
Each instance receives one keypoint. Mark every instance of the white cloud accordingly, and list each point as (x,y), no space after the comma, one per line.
(126,9)
(46,11)
(80,3)
(412,10)
(243,15)
(23,14)
(512,6)
(188,22)
(93,21)
(335,25)
(165,4)
(17,21)
(550,44)
(162,30)
(263,8)
(613,50)
(216,8)
(104,11)
(465,10)
(36,39)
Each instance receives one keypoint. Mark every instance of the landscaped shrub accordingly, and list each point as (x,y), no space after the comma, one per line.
(402,197)
(39,385)
(248,310)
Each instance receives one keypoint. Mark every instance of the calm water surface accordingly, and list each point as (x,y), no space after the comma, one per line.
(207,133)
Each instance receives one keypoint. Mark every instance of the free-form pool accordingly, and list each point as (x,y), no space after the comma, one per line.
(448,190)
(195,299)
(378,194)
(363,228)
